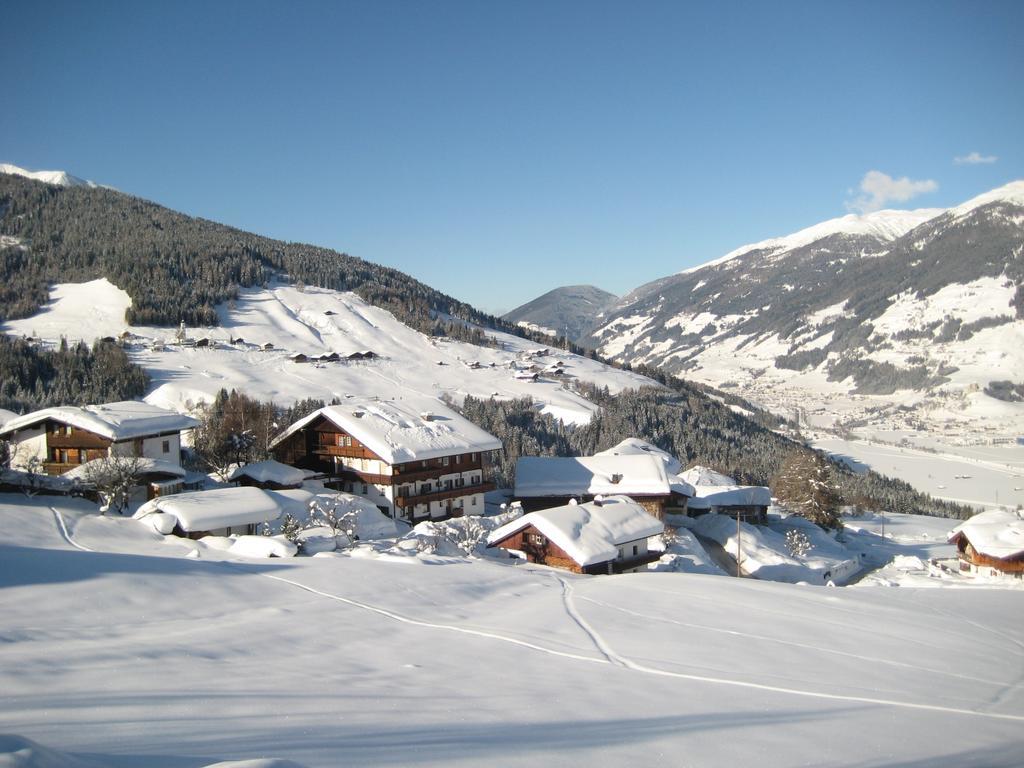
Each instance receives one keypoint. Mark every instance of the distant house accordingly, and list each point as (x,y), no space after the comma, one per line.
(550,481)
(220,512)
(601,536)
(414,465)
(991,544)
(715,492)
(269,475)
(299,357)
(66,436)
(154,477)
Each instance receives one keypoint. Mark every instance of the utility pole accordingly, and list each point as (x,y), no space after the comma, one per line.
(737,544)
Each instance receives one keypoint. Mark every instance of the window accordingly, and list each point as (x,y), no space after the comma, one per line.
(535,538)
(458,459)
(67,429)
(474,501)
(444,461)
(366,489)
(474,457)
(424,463)
(636,549)
(166,446)
(459,482)
(81,455)
(447,485)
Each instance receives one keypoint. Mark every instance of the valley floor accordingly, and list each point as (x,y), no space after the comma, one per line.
(120,648)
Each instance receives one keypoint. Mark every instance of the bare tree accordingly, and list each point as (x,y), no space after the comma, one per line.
(339,513)
(797,542)
(114,477)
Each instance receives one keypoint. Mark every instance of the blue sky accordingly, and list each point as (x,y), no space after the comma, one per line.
(496,150)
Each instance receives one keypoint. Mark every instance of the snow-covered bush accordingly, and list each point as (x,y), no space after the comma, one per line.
(797,542)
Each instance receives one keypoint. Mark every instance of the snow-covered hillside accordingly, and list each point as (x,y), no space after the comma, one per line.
(315,322)
(122,649)
(60,178)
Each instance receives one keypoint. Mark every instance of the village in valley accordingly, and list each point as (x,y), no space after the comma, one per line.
(378,475)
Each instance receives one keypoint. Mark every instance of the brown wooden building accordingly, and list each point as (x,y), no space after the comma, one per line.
(607,536)
(991,544)
(66,437)
(414,465)
(543,482)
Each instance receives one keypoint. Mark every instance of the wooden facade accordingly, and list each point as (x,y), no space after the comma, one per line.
(971,560)
(401,489)
(539,549)
(67,447)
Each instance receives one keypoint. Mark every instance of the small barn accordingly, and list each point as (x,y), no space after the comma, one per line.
(602,536)
(550,481)
(715,492)
(220,512)
(270,475)
(991,544)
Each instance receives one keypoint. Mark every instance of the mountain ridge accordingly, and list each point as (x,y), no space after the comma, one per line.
(869,312)
(569,310)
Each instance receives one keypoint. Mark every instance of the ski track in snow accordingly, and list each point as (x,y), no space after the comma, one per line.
(595,637)
(64,531)
(610,656)
(808,646)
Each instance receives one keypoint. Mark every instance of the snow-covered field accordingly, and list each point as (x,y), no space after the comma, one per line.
(315,321)
(119,648)
(984,476)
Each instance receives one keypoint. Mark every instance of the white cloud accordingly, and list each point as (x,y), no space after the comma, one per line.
(878,189)
(975,158)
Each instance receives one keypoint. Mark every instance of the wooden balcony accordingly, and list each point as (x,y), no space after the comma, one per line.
(345,451)
(452,493)
(618,566)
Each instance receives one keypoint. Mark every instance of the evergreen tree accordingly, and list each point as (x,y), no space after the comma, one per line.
(805,485)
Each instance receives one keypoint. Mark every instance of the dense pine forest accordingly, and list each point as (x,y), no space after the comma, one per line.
(177,268)
(34,377)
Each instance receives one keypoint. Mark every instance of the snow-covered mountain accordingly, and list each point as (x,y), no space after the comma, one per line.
(914,319)
(60,178)
(568,311)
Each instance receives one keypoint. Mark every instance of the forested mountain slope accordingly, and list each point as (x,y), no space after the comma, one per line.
(175,268)
(569,311)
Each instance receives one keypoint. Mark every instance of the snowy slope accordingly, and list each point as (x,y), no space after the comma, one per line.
(60,178)
(315,321)
(882,225)
(121,650)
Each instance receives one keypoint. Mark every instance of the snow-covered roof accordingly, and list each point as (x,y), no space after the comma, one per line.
(269,471)
(589,533)
(144,466)
(219,508)
(641,475)
(704,476)
(707,496)
(116,421)
(996,533)
(634,446)
(398,432)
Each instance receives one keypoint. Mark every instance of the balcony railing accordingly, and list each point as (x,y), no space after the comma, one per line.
(442,495)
